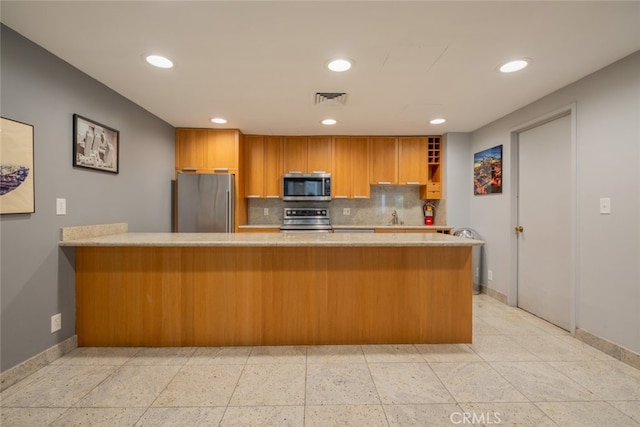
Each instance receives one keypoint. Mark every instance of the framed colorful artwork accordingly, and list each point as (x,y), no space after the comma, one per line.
(487,171)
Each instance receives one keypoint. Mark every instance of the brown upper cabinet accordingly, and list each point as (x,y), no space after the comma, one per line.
(273,166)
(350,179)
(306,154)
(401,160)
(254,167)
(384,160)
(207,150)
(263,166)
(412,160)
(360,172)
(192,151)
(225,148)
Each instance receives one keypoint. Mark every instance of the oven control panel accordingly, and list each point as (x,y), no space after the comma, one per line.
(305,213)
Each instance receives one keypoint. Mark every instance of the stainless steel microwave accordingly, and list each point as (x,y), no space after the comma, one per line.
(306,187)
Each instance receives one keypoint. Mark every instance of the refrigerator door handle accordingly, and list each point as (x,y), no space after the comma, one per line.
(229,213)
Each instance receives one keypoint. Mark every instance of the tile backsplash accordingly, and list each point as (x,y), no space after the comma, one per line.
(377,210)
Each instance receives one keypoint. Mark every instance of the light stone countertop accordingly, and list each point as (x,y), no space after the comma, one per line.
(273,239)
(362,227)
(399,227)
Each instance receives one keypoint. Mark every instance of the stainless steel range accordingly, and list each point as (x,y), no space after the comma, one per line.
(306,220)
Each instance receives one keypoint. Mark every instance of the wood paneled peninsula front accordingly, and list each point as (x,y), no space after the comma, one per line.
(183,289)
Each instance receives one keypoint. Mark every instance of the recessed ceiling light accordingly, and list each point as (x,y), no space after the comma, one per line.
(329,122)
(159,61)
(516,65)
(437,121)
(218,120)
(339,65)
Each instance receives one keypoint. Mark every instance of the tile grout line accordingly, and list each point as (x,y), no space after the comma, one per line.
(161,391)
(375,386)
(244,366)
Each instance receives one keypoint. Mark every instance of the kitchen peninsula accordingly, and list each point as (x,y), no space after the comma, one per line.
(210,289)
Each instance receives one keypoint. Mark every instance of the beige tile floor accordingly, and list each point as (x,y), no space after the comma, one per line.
(519,371)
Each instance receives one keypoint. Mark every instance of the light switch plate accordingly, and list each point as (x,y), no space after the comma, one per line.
(61,206)
(605,206)
(56,322)
(265,211)
(346,211)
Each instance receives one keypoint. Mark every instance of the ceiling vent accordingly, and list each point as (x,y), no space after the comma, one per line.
(331,98)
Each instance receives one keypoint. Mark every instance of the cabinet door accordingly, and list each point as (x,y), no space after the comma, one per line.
(359,166)
(412,160)
(341,168)
(319,154)
(384,160)
(223,149)
(295,154)
(254,170)
(191,149)
(273,166)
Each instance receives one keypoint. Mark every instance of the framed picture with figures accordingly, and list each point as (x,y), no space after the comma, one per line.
(95,146)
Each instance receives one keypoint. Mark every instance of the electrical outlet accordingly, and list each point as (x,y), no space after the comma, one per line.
(266,211)
(490,275)
(61,206)
(56,322)
(605,206)
(346,211)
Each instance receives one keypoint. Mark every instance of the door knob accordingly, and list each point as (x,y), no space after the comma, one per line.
(519,229)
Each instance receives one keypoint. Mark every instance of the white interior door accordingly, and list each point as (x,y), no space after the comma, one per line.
(544,215)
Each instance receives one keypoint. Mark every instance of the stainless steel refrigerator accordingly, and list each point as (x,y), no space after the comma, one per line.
(205,203)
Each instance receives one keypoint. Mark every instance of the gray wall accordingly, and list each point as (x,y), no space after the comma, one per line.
(37,279)
(608,165)
(458,178)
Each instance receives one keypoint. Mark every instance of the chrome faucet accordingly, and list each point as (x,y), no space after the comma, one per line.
(394,218)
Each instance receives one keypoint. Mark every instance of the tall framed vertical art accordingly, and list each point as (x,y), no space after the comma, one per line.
(17,194)
(487,171)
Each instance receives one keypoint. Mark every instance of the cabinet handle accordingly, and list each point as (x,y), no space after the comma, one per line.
(253,196)
(360,197)
(189,169)
(384,182)
(299,172)
(221,169)
(319,172)
(413,183)
(339,197)
(271,196)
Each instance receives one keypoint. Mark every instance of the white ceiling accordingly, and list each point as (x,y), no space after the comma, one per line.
(259,64)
